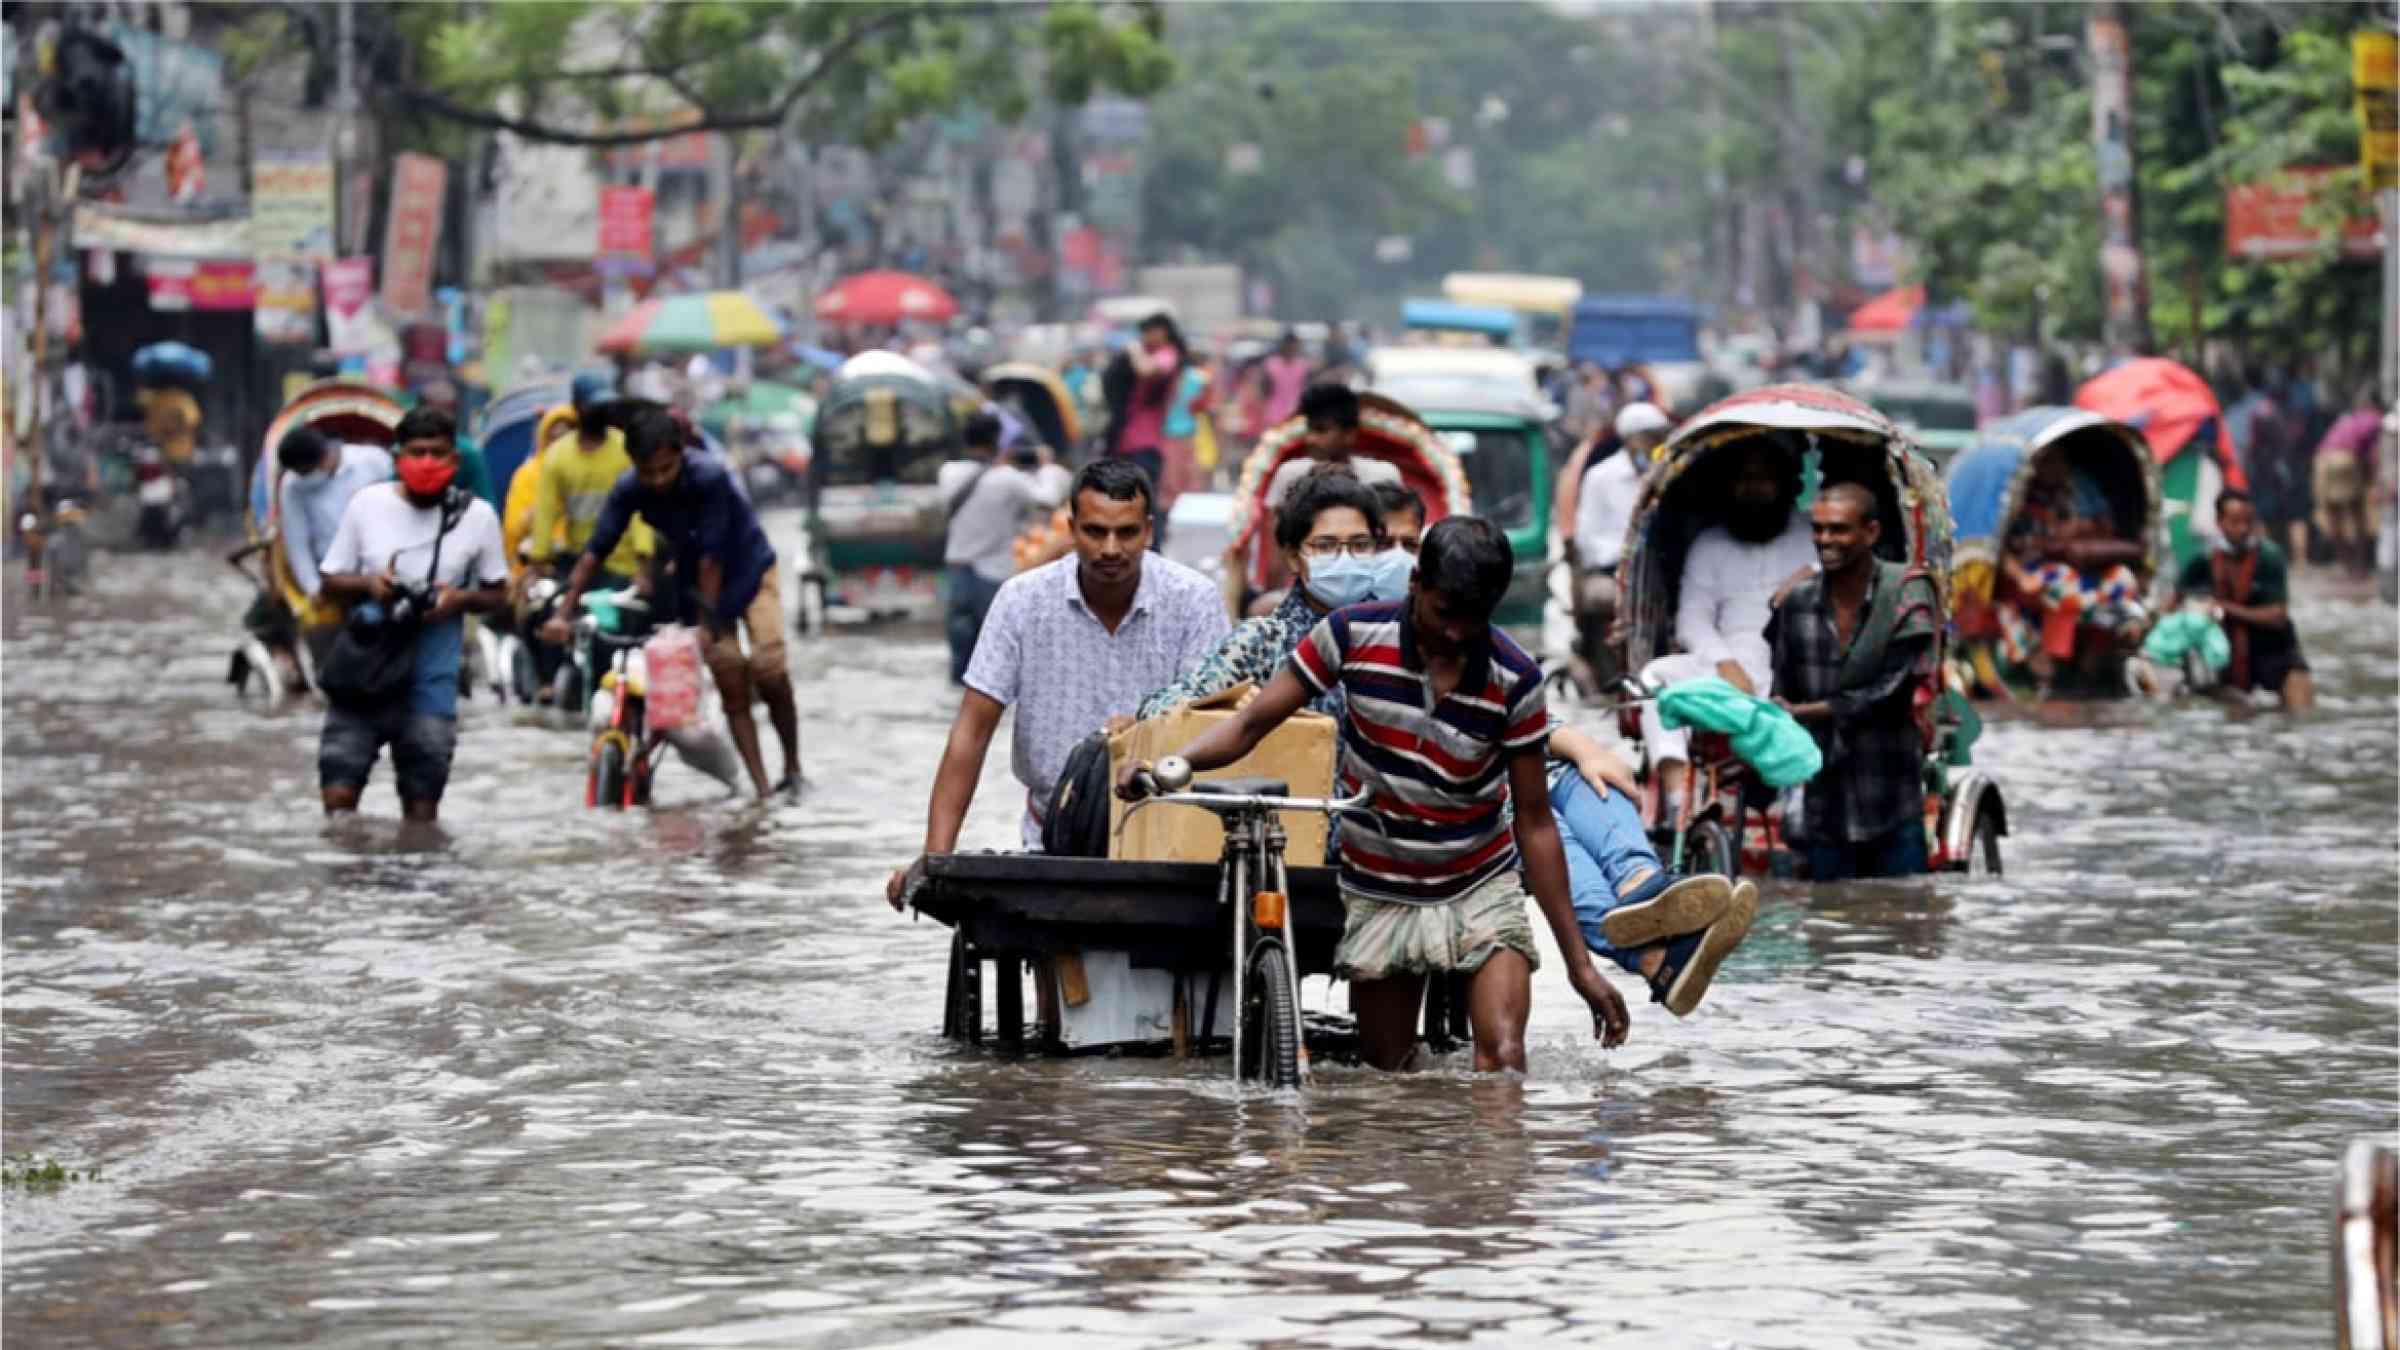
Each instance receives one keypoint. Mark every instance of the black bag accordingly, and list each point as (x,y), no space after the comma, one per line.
(369,667)
(1075,819)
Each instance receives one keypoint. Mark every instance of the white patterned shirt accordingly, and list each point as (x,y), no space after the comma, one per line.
(1044,653)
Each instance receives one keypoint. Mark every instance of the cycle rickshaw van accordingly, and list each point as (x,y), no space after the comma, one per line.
(875,520)
(1987,486)
(1387,430)
(1834,438)
(347,412)
(1039,398)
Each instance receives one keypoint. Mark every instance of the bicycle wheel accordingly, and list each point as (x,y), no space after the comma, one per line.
(1706,848)
(1983,847)
(1270,1020)
(607,785)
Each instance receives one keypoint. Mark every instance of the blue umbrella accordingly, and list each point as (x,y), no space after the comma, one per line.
(819,357)
(167,360)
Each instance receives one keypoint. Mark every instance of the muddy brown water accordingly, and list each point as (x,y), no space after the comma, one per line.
(671,1077)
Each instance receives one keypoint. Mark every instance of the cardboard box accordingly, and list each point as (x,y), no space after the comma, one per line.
(1301,752)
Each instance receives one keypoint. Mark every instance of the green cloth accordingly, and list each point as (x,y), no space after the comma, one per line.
(1765,736)
(474,474)
(2270,581)
(2186,629)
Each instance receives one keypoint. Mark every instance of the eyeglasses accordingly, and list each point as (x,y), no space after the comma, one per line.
(1357,547)
(1407,546)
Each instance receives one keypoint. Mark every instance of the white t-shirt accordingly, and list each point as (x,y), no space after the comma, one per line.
(1722,612)
(1604,509)
(983,530)
(382,528)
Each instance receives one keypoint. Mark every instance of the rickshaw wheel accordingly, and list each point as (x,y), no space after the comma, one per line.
(608,776)
(1706,849)
(1270,1021)
(1983,847)
(809,619)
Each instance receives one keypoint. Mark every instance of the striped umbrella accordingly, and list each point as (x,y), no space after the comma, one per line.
(693,323)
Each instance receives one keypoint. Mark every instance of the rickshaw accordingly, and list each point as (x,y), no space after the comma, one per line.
(1987,486)
(875,520)
(1838,439)
(1388,431)
(1040,399)
(1488,412)
(272,653)
(2178,416)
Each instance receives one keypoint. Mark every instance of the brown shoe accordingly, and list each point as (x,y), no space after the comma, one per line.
(1692,960)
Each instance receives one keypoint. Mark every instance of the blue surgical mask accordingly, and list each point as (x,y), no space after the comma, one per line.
(1340,580)
(1391,570)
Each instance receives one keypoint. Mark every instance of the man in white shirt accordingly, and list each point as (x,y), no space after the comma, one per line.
(986,501)
(1730,576)
(1603,512)
(426,535)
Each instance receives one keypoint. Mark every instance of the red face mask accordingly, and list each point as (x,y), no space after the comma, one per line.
(427,475)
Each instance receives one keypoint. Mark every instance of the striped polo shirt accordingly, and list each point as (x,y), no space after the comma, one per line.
(1438,772)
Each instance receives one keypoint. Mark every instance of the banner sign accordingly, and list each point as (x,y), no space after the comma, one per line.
(625,222)
(189,284)
(98,227)
(284,304)
(411,231)
(2375,74)
(2271,219)
(349,284)
(291,206)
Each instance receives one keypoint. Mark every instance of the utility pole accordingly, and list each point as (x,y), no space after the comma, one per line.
(345,132)
(2125,326)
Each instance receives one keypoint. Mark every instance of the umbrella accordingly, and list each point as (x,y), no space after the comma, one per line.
(1889,312)
(885,297)
(693,323)
(821,357)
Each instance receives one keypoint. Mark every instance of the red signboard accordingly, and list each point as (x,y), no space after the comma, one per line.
(409,236)
(625,223)
(2272,219)
(349,282)
(189,283)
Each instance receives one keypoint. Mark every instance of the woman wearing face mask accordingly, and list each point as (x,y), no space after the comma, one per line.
(1331,534)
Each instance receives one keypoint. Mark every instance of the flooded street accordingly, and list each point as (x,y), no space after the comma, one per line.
(672,1078)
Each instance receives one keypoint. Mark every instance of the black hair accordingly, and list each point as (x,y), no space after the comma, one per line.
(1399,499)
(1315,494)
(982,432)
(1025,457)
(1117,478)
(1329,402)
(1857,494)
(1162,319)
(1468,559)
(2228,496)
(426,423)
(302,449)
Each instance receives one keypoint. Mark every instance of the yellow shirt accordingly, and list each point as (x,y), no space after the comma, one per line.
(573,486)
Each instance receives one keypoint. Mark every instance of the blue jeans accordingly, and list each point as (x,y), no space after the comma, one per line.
(1606,847)
(1898,854)
(970,598)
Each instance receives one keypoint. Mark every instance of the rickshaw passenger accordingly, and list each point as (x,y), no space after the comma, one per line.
(1730,576)
(2247,577)
(2064,566)
(1852,646)
(320,476)
(1334,542)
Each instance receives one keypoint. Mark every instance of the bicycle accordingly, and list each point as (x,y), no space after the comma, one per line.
(1266,971)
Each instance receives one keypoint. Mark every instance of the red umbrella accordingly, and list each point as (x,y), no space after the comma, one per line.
(1889,312)
(885,297)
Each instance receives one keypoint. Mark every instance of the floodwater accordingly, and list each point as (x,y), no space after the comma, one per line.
(672,1077)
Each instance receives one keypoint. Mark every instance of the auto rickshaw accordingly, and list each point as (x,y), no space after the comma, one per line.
(1838,439)
(273,659)
(875,520)
(1489,413)
(1987,487)
(1388,431)
(1038,397)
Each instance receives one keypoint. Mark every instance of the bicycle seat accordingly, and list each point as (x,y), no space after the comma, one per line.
(1243,787)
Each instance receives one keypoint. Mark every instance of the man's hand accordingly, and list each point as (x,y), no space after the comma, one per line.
(560,627)
(1733,674)
(1604,769)
(1611,1022)
(383,587)
(1126,787)
(896,889)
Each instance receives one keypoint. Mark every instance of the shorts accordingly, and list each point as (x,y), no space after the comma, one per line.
(764,619)
(1382,939)
(2273,659)
(422,745)
(2339,480)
